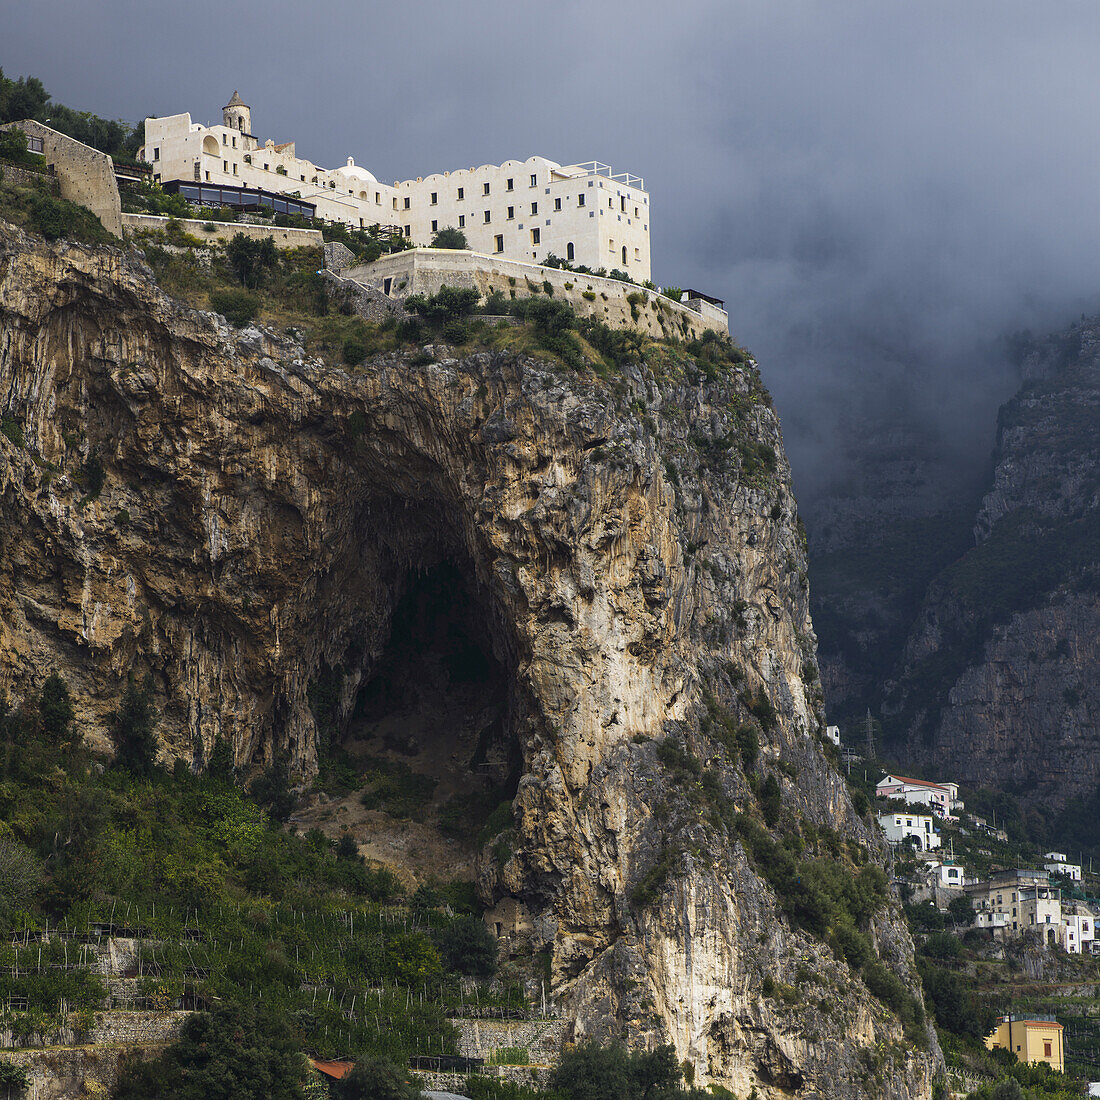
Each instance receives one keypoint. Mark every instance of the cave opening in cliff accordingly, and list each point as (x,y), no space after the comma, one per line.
(431,727)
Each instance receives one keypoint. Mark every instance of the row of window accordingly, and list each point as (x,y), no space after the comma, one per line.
(510,185)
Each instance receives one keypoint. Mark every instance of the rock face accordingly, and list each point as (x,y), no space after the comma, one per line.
(240,522)
(998,675)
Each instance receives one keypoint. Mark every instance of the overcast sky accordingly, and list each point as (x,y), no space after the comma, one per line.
(879,190)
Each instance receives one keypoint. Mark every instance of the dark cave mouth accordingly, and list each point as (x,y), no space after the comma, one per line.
(432,725)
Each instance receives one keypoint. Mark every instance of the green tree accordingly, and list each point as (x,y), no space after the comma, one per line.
(20,876)
(55,710)
(22,98)
(250,259)
(235,1052)
(271,789)
(960,910)
(14,1079)
(136,744)
(467,946)
(449,237)
(375,1079)
(220,764)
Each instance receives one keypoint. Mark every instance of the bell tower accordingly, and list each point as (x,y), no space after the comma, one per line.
(237,115)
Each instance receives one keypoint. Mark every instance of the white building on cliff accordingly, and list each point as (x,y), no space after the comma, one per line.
(520,210)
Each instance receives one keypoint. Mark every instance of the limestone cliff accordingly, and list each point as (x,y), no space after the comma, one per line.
(237,519)
(997,679)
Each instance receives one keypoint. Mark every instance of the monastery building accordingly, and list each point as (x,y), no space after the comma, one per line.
(520,210)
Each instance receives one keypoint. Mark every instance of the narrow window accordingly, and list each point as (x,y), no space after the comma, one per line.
(534,208)
(569,252)
(435,225)
(511,185)
(435,198)
(407,204)
(610,204)
(536,237)
(488,217)
(267,167)
(580,200)
(511,212)
(234,141)
(635,211)
(225,139)
(461,193)
(622,203)
(499,238)
(386,283)
(557,204)
(377,197)
(225,166)
(534,179)
(408,231)
(1046,1050)
(156,152)
(234,168)
(485,189)
(394,201)
(461,221)
(637,253)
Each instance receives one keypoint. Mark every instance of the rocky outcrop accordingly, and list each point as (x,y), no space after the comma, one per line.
(998,675)
(239,521)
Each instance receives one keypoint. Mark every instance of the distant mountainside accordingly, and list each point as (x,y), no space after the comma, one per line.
(980,657)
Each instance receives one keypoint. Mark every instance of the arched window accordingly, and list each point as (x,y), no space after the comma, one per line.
(210,145)
(624,253)
(569,252)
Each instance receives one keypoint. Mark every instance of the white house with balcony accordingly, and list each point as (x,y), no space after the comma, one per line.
(940,798)
(905,828)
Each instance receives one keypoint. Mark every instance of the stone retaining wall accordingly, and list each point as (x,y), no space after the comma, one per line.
(283,236)
(26,178)
(425,270)
(542,1039)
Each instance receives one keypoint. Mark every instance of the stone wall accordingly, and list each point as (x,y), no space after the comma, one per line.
(85,175)
(26,178)
(118,1026)
(620,305)
(283,236)
(542,1039)
(69,1074)
(369,303)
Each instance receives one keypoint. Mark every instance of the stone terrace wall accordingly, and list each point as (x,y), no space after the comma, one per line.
(13,173)
(425,270)
(284,237)
(542,1039)
(85,175)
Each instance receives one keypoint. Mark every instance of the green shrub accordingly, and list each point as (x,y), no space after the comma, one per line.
(449,303)
(238,307)
(57,218)
(12,430)
(354,351)
(449,237)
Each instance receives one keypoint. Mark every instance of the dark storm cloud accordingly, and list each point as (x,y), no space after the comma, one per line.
(880,190)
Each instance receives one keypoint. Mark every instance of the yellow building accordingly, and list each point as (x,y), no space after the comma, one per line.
(1032,1039)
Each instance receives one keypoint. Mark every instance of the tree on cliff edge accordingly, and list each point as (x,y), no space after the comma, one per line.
(135,742)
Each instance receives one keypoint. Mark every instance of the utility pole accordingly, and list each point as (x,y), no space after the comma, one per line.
(870,736)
